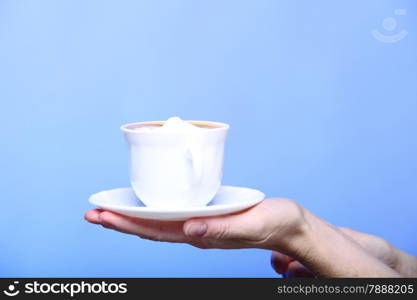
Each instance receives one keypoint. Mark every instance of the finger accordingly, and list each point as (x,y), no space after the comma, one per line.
(231,227)
(169,231)
(279,262)
(297,270)
(92,216)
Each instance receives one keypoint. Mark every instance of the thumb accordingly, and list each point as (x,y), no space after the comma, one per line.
(221,228)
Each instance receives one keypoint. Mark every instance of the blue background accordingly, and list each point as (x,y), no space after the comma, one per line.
(320,112)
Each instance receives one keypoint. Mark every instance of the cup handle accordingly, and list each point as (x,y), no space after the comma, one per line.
(196,161)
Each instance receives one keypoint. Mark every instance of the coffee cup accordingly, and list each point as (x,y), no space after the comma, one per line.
(176,168)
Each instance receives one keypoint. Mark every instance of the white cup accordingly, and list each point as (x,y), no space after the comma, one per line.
(176,169)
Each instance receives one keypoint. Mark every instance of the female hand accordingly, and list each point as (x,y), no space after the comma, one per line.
(385,252)
(272,224)
(276,224)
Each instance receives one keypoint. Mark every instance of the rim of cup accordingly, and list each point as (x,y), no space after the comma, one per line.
(131,127)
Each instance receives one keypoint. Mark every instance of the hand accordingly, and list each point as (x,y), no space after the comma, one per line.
(378,247)
(395,259)
(272,224)
(276,224)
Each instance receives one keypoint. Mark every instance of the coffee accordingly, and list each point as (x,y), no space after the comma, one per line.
(173,124)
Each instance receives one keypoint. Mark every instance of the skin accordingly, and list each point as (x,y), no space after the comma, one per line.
(303,244)
(403,263)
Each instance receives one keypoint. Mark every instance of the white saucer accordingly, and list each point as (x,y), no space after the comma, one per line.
(228,199)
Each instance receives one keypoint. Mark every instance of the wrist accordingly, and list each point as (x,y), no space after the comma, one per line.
(305,237)
(291,238)
(320,244)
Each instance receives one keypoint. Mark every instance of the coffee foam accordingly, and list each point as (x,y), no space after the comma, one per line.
(176,124)
(173,124)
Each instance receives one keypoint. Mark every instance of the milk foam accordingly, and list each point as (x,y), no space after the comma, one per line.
(173,124)
(176,124)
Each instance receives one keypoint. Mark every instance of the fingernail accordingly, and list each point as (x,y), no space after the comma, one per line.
(197,229)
